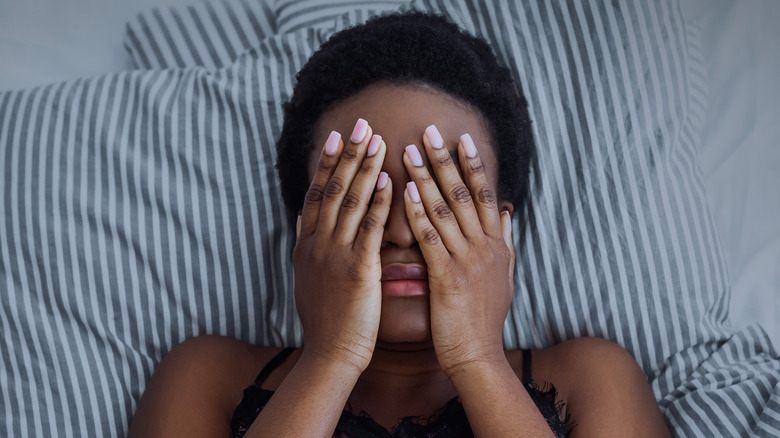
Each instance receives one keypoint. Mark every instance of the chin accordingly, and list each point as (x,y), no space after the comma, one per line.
(405,319)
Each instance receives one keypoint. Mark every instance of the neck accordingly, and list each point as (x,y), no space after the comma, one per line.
(402,379)
(407,361)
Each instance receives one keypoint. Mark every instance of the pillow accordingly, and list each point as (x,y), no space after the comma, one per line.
(139,209)
(209,34)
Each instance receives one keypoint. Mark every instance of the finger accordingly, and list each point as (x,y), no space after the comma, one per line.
(329,158)
(451,184)
(484,196)
(372,225)
(355,203)
(338,186)
(506,228)
(437,210)
(424,232)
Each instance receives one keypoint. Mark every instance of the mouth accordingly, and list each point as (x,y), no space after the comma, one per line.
(405,280)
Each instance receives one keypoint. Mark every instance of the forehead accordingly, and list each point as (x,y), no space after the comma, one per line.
(400,113)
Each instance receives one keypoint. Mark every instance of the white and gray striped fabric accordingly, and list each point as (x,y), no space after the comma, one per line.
(209,34)
(140,209)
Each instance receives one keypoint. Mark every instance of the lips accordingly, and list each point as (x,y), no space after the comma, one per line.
(404,271)
(405,280)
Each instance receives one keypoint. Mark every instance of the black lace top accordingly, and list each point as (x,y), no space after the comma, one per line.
(449,421)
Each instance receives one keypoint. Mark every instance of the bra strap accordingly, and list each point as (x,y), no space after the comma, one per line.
(272,364)
(527,366)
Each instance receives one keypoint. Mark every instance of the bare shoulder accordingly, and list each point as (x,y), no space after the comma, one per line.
(197,385)
(603,387)
(587,353)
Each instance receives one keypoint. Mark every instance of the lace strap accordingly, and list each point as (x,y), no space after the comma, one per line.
(272,364)
(527,367)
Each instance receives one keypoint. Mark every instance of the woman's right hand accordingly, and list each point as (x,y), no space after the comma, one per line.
(338,273)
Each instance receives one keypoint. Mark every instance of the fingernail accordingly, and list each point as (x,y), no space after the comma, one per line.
(414,155)
(434,137)
(361,127)
(298,227)
(381,182)
(468,144)
(373,145)
(413,193)
(332,145)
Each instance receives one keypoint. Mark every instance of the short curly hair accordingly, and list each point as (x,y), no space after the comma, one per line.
(407,48)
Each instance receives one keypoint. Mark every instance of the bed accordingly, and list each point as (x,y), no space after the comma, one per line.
(136,151)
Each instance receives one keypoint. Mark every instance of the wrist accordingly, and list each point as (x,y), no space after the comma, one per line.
(334,360)
(477,361)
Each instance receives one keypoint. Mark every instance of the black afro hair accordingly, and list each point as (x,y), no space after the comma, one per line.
(407,48)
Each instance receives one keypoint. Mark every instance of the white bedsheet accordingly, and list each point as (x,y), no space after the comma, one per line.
(43,41)
(740,155)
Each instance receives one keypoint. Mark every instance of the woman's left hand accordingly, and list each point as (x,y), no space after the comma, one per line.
(468,250)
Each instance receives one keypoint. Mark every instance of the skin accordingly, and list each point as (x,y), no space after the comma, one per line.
(416,352)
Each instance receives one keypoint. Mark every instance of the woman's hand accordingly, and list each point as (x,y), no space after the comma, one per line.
(338,289)
(468,249)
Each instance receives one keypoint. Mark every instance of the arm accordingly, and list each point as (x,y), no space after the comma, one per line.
(496,402)
(608,393)
(340,316)
(184,396)
(468,248)
(316,389)
(337,287)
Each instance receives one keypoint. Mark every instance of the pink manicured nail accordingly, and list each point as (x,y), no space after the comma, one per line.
(468,144)
(414,155)
(332,145)
(411,187)
(361,127)
(434,137)
(373,145)
(381,182)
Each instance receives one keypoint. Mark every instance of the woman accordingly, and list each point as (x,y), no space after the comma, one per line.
(403,267)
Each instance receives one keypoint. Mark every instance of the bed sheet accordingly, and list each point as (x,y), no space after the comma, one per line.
(43,41)
(46,41)
(740,155)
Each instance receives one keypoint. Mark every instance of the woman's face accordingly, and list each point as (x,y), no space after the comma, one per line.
(400,114)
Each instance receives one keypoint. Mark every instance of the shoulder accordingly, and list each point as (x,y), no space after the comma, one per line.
(197,385)
(604,388)
(582,366)
(559,363)
(589,354)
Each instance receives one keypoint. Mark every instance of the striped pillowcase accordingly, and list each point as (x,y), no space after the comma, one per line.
(140,209)
(207,34)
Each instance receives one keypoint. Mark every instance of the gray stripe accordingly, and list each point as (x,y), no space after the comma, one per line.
(48,337)
(295,15)
(133,45)
(147,42)
(167,44)
(13,326)
(180,37)
(209,16)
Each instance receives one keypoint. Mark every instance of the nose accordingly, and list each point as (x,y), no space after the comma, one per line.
(398,233)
